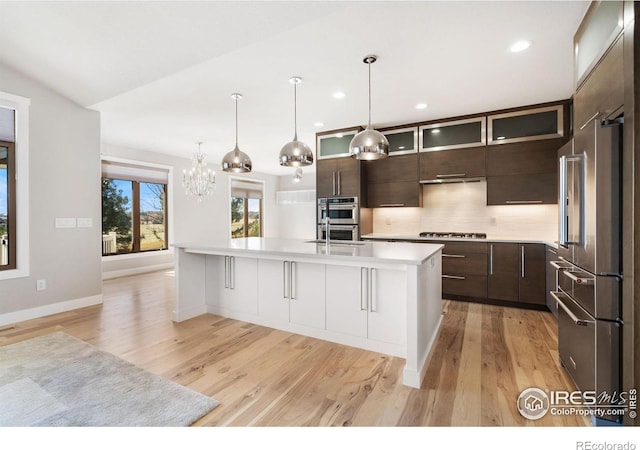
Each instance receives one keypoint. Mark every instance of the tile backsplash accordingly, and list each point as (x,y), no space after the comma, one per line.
(462,207)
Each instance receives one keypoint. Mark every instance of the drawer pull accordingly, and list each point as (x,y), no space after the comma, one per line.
(579,280)
(572,316)
(444,255)
(453,277)
(588,121)
(523,202)
(451,175)
(383,205)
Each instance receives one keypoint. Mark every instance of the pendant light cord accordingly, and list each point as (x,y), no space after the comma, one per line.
(236,122)
(369,64)
(295,112)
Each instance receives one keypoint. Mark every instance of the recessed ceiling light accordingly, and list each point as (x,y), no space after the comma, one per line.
(435,131)
(421,106)
(318,124)
(519,46)
(339,94)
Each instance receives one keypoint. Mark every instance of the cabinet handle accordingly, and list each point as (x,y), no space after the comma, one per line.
(523,202)
(226,272)
(572,316)
(339,184)
(490,259)
(444,255)
(382,205)
(451,175)
(232,272)
(333,177)
(285,271)
(292,279)
(453,277)
(374,302)
(364,288)
(577,279)
(588,121)
(522,261)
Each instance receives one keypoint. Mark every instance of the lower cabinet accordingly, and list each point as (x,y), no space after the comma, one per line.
(464,269)
(292,290)
(227,278)
(366,302)
(517,273)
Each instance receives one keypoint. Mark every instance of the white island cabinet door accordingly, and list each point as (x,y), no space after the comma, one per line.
(231,283)
(346,300)
(273,289)
(388,306)
(307,294)
(243,288)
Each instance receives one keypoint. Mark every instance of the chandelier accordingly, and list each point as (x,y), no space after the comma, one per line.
(199,181)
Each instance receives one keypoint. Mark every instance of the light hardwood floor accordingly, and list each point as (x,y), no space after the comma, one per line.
(484,356)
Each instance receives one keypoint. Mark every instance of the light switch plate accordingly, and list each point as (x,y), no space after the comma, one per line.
(65,222)
(85,222)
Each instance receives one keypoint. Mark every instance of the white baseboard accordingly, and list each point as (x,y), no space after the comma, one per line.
(135,270)
(47,310)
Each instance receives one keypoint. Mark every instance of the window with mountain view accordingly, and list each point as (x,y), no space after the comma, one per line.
(134,214)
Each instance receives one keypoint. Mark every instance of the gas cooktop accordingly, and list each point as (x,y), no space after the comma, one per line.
(450,234)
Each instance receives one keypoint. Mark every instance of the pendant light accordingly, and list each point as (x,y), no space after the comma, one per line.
(236,160)
(369,144)
(295,153)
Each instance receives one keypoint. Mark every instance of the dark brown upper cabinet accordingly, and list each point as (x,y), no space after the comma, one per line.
(447,165)
(339,177)
(393,181)
(523,158)
(535,188)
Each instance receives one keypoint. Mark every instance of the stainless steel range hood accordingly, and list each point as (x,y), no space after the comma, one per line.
(447,179)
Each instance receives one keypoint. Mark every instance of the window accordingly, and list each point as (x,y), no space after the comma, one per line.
(7,190)
(246,208)
(134,209)
(14,186)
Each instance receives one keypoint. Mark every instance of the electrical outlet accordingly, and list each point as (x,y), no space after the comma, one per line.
(41,285)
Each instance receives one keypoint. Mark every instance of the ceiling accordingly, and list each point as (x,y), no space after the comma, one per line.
(161,73)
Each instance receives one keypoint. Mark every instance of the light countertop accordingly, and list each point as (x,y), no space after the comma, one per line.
(359,251)
(398,237)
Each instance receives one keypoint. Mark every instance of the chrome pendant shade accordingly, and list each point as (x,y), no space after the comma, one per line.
(236,161)
(295,153)
(369,143)
(199,181)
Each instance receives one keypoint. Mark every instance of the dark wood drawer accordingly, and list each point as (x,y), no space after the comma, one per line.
(467,285)
(464,264)
(464,248)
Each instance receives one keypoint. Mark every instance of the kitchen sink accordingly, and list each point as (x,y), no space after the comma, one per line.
(322,241)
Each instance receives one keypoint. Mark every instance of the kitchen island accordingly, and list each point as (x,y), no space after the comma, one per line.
(379,296)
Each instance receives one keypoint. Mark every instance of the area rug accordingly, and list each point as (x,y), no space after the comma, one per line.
(58,380)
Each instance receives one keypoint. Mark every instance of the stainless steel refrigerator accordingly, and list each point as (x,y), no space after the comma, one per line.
(589,296)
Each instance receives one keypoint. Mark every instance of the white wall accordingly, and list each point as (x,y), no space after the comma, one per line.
(297,220)
(463,207)
(192,221)
(64,174)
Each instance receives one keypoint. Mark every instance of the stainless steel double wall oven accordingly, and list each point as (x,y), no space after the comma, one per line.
(344,218)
